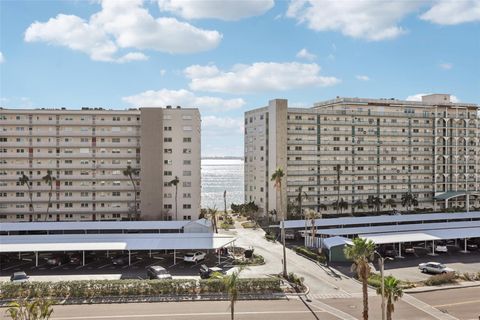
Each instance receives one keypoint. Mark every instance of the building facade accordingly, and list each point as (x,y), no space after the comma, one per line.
(351,155)
(87,152)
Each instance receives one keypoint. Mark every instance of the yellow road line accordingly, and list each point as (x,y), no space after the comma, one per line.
(456,303)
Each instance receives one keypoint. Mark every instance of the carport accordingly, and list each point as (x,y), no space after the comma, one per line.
(112,242)
(424,235)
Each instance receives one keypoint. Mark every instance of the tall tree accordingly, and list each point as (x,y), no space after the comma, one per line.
(340,205)
(25,181)
(312,215)
(408,200)
(277,177)
(212,215)
(49,179)
(358,204)
(300,196)
(231,286)
(130,172)
(392,292)
(361,252)
(390,202)
(225,202)
(175,183)
(371,202)
(377,202)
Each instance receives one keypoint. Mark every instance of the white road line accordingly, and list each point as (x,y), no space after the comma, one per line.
(187,314)
(456,303)
(334,311)
(425,307)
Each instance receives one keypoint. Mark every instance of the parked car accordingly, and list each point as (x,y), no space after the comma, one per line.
(472,246)
(434,267)
(409,249)
(206,272)
(390,252)
(441,247)
(120,260)
(158,272)
(289,235)
(194,256)
(58,260)
(19,277)
(77,258)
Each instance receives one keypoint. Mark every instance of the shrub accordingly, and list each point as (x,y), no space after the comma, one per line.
(375,280)
(249,224)
(267,285)
(471,276)
(439,279)
(270,236)
(310,254)
(254,261)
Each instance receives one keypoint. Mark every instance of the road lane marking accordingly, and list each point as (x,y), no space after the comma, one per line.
(456,303)
(333,311)
(187,314)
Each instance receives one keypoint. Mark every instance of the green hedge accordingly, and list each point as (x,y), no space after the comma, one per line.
(309,253)
(266,285)
(89,289)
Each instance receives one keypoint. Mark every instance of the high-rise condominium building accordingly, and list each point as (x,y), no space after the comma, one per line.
(364,154)
(87,152)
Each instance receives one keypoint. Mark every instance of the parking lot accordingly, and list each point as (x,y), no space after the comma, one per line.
(97,263)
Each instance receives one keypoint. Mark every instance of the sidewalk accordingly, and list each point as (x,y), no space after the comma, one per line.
(460,285)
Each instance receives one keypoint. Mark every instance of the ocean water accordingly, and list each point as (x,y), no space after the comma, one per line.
(219,175)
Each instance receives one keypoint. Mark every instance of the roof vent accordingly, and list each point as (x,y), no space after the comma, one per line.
(169,107)
(178,107)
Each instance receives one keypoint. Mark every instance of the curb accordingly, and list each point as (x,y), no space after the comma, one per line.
(152,299)
(434,288)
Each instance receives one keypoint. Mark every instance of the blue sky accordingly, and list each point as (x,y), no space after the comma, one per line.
(231,56)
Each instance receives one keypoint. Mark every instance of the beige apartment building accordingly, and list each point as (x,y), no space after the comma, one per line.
(87,152)
(353,149)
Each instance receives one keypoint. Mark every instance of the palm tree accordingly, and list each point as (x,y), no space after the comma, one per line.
(225,202)
(311,215)
(49,179)
(358,204)
(343,205)
(377,202)
(361,252)
(175,183)
(392,292)
(212,215)
(390,202)
(370,202)
(39,309)
(25,181)
(130,172)
(277,177)
(231,286)
(409,200)
(301,195)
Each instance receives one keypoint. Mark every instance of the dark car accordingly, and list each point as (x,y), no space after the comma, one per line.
(390,252)
(206,272)
(77,258)
(120,260)
(58,260)
(19,277)
(158,272)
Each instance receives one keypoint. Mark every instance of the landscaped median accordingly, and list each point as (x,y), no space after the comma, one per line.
(306,252)
(92,291)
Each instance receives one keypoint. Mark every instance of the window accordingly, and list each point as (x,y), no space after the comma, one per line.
(167,173)
(187,117)
(167,161)
(116,194)
(167,128)
(187,128)
(187,151)
(167,139)
(187,162)
(115,140)
(187,139)
(167,206)
(186,184)
(187,206)
(187,173)
(167,150)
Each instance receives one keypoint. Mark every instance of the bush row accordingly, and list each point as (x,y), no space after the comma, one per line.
(375,280)
(256,260)
(444,278)
(311,254)
(88,289)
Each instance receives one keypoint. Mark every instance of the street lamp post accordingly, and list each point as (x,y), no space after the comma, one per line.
(381,262)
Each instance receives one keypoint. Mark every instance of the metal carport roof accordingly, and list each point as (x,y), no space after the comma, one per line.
(382,219)
(427,235)
(398,228)
(104,242)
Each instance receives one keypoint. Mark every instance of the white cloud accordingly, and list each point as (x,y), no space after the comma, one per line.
(451,12)
(257,77)
(2,58)
(304,54)
(366,19)
(446,66)
(164,97)
(225,125)
(418,97)
(122,25)
(362,78)
(229,10)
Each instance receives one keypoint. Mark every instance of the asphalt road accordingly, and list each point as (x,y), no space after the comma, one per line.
(265,310)
(460,303)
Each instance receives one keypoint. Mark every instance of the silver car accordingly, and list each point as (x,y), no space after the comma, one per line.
(434,267)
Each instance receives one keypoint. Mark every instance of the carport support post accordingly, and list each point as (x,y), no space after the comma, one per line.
(399,250)
(150,253)
(129,258)
(219,254)
(36,258)
(174,256)
(433,248)
(464,246)
(83,257)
